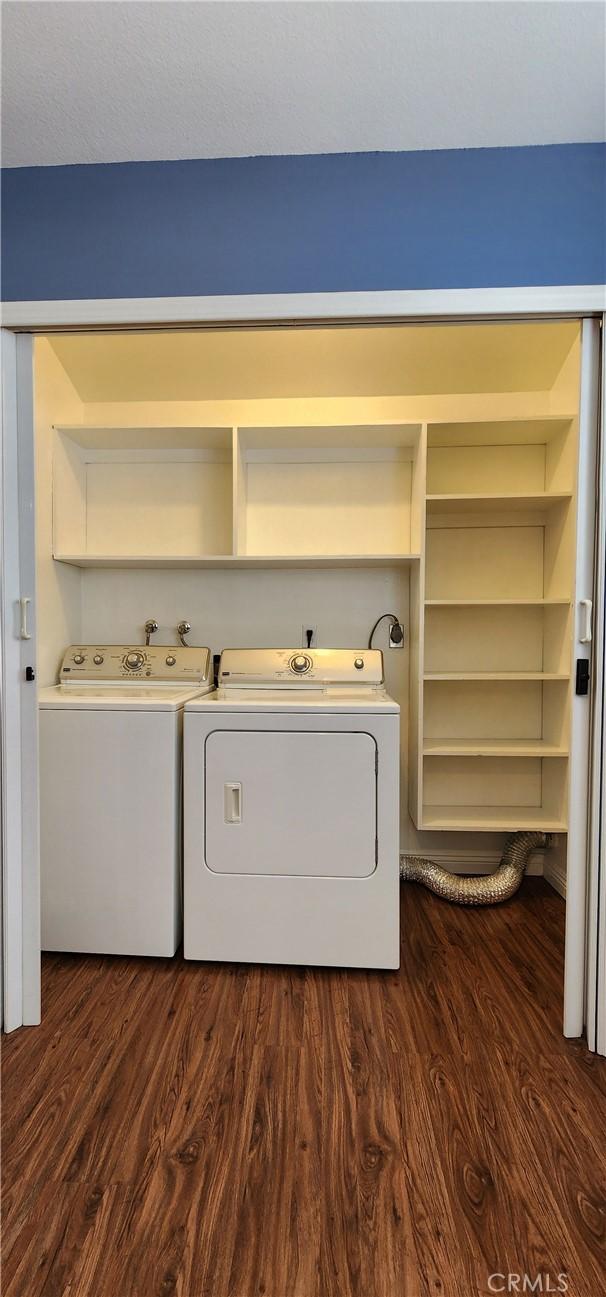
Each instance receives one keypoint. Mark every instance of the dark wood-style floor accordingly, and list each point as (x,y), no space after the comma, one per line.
(206,1131)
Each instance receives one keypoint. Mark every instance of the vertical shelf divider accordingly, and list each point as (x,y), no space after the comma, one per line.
(239,493)
(417,630)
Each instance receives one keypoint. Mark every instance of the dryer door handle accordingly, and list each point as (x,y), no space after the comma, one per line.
(232,802)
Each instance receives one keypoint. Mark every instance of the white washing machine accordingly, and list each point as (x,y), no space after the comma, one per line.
(291,811)
(110,797)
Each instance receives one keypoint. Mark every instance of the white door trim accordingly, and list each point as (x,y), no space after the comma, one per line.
(596,910)
(12,934)
(30,834)
(259,308)
(19,741)
(578,864)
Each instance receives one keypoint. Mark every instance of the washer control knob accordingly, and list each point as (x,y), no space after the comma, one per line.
(79,659)
(170,661)
(98,659)
(300,663)
(134,661)
(359,663)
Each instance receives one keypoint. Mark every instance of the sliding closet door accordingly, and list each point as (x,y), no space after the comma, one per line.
(596,908)
(580,844)
(19,751)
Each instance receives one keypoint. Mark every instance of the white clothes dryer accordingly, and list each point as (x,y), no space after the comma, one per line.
(111,796)
(291,811)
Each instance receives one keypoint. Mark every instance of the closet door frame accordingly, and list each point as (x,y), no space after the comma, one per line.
(584,766)
(449,306)
(596,907)
(18,693)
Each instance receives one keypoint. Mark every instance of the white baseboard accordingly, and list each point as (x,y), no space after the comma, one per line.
(479,862)
(555,874)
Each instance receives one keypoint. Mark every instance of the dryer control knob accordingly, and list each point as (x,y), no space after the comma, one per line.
(359,663)
(79,659)
(170,661)
(98,659)
(300,663)
(134,661)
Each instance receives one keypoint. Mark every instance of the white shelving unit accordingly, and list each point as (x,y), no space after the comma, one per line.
(337,492)
(496,626)
(491,570)
(341,495)
(126,494)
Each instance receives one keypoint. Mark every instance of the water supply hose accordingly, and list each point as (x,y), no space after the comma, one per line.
(480,889)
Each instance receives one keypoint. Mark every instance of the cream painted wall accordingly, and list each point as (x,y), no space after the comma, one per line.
(392,360)
(58,586)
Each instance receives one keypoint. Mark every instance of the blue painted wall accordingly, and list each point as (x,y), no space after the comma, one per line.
(444,219)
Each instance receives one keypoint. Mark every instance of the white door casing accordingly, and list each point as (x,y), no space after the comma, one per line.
(596,908)
(575,973)
(518,303)
(20,831)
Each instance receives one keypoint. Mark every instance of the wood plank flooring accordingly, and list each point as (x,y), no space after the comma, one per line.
(191,1130)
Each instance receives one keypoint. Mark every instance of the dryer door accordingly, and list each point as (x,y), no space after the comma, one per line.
(299,803)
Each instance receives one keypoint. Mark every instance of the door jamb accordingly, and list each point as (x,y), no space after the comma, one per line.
(448,306)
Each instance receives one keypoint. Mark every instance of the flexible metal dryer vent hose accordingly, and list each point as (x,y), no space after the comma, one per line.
(479,890)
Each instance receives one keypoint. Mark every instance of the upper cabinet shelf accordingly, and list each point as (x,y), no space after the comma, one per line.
(237,560)
(327,491)
(140,492)
(339,495)
(530,460)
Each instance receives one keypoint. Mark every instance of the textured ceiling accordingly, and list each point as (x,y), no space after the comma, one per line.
(241,365)
(102,82)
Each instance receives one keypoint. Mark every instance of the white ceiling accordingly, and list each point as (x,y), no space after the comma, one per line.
(113,81)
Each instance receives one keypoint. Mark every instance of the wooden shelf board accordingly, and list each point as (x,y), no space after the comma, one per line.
(495,819)
(235,560)
(510,501)
(141,438)
(512,430)
(494,675)
(497,603)
(491,748)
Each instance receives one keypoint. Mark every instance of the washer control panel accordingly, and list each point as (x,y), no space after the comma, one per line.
(299,668)
(111,662)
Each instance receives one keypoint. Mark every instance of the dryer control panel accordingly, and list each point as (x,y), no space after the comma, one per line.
(300,668)
(110,662)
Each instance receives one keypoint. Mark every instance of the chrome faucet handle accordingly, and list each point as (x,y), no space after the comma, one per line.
(151,627)
(183,629)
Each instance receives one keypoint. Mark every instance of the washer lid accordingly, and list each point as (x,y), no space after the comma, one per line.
(117,697)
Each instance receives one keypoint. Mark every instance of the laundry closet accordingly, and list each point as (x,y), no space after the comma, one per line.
(288,486)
